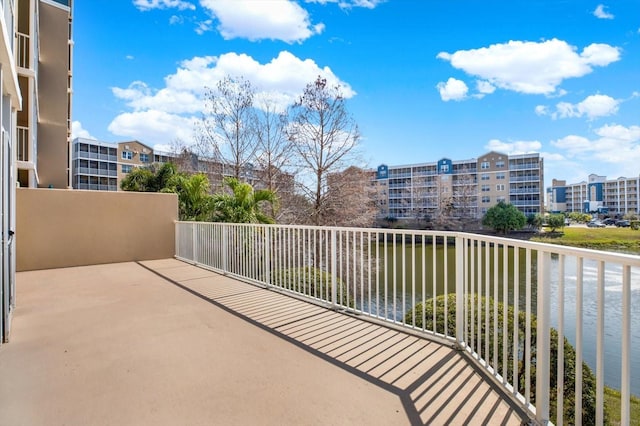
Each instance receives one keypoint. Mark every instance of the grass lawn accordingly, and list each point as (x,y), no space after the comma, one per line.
(609,238)
(612,402)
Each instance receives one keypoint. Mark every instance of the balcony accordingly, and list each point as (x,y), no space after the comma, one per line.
(164,342)
(24,143)
(24,51)
(95,171)
(97,156)
(290,323)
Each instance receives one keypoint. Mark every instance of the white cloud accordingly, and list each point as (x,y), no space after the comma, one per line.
(145,5)
(176,20)
(542,110)
(601,13)
(78,132)
(615,149)
(485,87)
(513,148)
(204,26)
(531,67)
(130,57)
(282,20)
(592,107)
(152,127)
(452,90)
(281,80)
(348,4)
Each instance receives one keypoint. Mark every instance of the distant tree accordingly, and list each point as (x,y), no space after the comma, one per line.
(227,131)
(504,217)
(274,158)
(350,199)
(465,196)
(324,138)
(242,204)
(535,221)
(555,221)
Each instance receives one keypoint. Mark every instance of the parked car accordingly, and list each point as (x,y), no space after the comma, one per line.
(623,224)
(596,224)
(609,221)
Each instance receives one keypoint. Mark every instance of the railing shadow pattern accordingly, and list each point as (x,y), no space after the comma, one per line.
(435,383)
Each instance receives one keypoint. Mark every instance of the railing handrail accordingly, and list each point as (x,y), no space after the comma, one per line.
(534,245)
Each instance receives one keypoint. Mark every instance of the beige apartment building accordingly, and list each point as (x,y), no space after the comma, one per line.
(468,188)
(101,166)
(44,62)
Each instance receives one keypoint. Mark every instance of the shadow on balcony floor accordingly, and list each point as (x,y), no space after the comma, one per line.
(114,344)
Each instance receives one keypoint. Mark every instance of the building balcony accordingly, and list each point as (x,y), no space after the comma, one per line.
(90,171)
(23,54)
(290,324)
(96,156)
(24,144)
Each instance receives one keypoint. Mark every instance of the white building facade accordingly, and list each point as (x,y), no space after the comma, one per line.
(596,195)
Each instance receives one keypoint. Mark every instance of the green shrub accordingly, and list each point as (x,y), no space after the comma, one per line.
(312,282)
(588,378)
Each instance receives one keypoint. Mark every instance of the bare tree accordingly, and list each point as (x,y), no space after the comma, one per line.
(273,158)
(351,198)
(465,196)
(227,131)
(325,138)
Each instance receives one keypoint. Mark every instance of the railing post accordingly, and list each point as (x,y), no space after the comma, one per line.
(267,257)
(460,241)
(543,338)
(225,248)
(193,242)
(334,268)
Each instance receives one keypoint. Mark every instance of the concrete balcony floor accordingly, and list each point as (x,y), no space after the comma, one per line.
(166,343)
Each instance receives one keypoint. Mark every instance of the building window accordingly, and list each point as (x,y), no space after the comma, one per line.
(501,200)
(500,187)
(144,158)
(484,165)
(500,176)
(127,155)
(486,188)
(444,168)
(485,176)
(500,164)
(126,168)
(486,199)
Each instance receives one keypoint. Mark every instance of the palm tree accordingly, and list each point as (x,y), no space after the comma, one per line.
(243,204)
(194,201)
(149,179)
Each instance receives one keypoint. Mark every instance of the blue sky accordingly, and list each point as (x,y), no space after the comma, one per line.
(425,79)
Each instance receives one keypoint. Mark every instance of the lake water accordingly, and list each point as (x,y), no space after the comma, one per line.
(409,283)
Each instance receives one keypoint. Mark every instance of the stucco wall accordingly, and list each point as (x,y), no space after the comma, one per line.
(62,228)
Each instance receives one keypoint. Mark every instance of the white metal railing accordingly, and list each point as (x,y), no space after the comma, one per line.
(24,51)
(506,294)
(23,143)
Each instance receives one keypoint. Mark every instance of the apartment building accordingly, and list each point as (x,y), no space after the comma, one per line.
(101,166)
(467,188)
(596,195)
(9,107)
(44,62)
